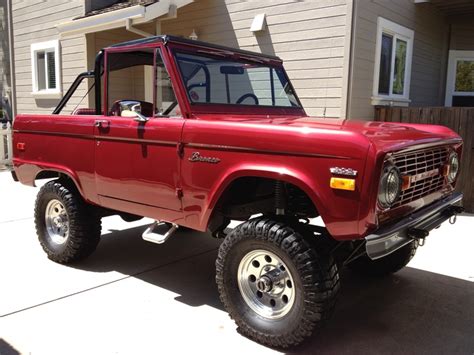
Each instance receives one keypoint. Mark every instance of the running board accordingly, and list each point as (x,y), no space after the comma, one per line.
(167,230)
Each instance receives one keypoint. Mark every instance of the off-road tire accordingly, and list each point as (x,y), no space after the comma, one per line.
(315,275)
(387,265)
(84,223)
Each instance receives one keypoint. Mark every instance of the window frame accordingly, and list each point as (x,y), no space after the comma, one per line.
(156,50)
(397,31)
(454,57)
(197,105)
(46,47)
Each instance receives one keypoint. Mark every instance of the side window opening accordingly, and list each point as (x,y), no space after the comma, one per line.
(138,81)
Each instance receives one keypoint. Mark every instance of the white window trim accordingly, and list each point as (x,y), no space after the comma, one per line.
(48,46)
(454,57)
(406,34)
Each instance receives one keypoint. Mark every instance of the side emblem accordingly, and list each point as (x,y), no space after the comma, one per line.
(197,157)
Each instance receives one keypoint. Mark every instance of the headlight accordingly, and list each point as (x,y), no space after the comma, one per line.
(390,186)
(453,164)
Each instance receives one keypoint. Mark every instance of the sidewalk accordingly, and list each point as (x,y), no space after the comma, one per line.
(134,297)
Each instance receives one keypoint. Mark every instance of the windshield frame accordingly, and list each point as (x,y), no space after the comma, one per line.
(209,107)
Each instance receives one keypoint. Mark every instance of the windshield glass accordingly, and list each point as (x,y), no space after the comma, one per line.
(219,80)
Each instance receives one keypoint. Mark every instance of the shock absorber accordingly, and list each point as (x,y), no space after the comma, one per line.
(280,198)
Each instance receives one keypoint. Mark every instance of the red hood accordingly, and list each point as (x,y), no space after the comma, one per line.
(385,136)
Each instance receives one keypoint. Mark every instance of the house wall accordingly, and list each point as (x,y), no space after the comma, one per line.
(34,21)
(462,35)
(312,37)
(429,52)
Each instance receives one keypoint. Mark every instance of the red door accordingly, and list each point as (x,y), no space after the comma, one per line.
(137,164)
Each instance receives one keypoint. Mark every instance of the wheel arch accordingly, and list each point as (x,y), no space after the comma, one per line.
(286,175)
(63,174)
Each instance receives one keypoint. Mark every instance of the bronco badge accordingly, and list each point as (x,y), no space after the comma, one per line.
(196,157)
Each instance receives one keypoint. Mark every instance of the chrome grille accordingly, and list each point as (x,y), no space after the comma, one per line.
(418,162)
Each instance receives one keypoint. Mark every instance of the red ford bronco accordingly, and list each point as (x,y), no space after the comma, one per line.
(195,135)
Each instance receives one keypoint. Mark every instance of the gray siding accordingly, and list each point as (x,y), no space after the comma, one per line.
(310,36)
(429,52)
(462,36)
(34,21)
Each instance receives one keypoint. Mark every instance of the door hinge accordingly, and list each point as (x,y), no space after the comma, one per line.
(180,150)
(179,193)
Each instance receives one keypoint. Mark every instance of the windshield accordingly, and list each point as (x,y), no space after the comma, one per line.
(219,80)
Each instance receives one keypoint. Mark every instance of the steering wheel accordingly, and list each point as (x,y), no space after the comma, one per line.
(246,96)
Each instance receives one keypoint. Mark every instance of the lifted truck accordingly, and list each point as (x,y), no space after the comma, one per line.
(195,135)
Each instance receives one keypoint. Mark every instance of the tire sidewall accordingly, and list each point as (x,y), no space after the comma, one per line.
(43,234)
(265,325)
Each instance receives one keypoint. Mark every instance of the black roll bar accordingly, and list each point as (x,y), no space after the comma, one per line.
(72,89)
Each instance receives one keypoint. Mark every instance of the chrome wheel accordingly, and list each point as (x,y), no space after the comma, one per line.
(266,284)
(57,222)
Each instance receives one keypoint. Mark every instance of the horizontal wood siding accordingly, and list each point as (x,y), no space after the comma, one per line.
(33,22)
(429,52)
(310,36)
(459,119)
(462,36)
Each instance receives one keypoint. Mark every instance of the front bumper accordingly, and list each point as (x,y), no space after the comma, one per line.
(390,238)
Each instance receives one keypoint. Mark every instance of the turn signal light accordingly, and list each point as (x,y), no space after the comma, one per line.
(342,184)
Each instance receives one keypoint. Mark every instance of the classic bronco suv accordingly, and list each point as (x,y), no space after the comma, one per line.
(197,135)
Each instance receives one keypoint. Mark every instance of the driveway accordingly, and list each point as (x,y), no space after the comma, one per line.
(134,297)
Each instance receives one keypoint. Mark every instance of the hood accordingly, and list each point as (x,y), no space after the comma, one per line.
(385,136)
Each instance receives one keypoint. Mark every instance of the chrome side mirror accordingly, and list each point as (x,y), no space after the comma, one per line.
(137,109)
(132,109)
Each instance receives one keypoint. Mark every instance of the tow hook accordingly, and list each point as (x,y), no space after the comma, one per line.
(419,235)
(455,210)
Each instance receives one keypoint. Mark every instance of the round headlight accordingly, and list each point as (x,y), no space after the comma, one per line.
(390,186)
(453,163)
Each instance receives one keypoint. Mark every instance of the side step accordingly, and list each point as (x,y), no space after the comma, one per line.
(159,232)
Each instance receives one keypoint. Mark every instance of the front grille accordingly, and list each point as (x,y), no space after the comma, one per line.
(418,162)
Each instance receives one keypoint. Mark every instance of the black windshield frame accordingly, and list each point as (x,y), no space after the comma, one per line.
(278,69)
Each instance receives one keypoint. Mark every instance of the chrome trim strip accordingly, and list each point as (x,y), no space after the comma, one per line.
(261,151)
(101,138)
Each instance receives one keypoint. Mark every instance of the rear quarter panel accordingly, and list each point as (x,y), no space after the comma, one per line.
(59,143)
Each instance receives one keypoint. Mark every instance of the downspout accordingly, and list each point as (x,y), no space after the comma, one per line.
(129,27)
(351,58)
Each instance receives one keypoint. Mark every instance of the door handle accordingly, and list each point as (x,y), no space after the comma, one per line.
(102,123)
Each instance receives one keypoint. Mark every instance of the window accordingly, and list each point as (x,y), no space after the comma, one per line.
(460,80)
(135,83)
(219,80)
(45,69)
(392,63)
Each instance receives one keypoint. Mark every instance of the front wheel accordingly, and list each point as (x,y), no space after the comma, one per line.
(273,284)
(67,228)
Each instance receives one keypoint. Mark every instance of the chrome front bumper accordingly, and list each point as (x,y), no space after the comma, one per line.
(390,238)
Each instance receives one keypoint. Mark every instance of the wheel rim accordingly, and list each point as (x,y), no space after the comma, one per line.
(57,222)
(266,284)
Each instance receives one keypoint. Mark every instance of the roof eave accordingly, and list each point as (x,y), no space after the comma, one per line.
(115,19)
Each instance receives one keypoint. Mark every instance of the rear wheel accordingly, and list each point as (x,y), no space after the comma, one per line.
(386,265)
(67,228)
(273,284)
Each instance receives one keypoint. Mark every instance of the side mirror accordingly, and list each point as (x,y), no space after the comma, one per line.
(132,109)
(137,109)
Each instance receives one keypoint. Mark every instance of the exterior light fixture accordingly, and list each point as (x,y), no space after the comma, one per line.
(193,35)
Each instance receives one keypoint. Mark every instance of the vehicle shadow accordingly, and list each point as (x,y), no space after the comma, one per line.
(413,311)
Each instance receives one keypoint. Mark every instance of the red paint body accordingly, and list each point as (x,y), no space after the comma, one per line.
(135,167)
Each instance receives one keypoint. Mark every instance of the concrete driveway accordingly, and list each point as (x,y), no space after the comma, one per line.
(134,297)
